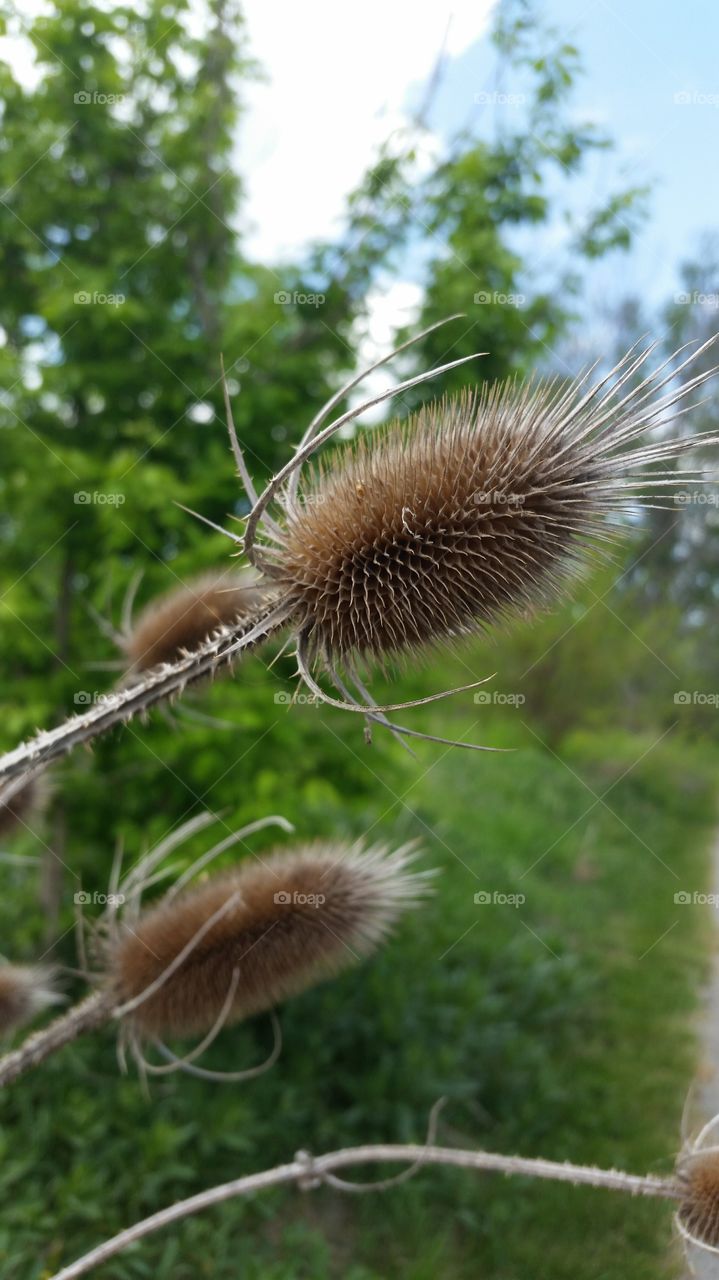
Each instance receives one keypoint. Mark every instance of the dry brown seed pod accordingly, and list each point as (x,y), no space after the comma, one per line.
(24,991)
(179,621)
(698,1213)
(273,927)
(476,508)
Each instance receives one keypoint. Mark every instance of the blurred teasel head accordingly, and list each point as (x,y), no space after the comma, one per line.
(698,1182)
(177,622)
(241,941)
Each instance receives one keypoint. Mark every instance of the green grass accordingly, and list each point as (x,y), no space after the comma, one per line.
(559,1028)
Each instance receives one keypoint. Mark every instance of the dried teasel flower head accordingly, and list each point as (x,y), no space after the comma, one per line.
(179,621)
(244,940)
(698,1213)
(25,990)
(478,507)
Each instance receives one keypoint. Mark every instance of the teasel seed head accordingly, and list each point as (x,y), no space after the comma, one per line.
(698,1213)
(179,621)
(477,507)
(25,990)
(264,931)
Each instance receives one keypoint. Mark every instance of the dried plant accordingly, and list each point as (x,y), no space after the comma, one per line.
(230,946)
(698,1180)
(476,508)
(308,1172)
(282,923)
(175,624)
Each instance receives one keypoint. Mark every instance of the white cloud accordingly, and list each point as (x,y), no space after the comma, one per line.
(336,85)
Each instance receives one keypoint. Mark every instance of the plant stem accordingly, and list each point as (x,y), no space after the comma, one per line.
(91,1012)
(309,1172)
(163,683)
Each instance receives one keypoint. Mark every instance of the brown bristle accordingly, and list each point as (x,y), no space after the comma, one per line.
(24,991)
(18,805)
(698,1213)
(291,919)
(180,621)
(479,506)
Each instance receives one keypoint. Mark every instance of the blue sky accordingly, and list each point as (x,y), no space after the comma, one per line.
(638,56)
(651,82)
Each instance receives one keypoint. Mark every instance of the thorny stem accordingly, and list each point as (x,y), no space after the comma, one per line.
(309,1172)
(163,683)
(90,1013)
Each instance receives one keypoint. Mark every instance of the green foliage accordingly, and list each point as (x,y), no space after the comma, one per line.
(542,1026)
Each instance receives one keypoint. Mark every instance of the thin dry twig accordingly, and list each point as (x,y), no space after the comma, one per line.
(308,1172)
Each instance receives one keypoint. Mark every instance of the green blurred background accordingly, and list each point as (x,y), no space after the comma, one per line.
(562,1028)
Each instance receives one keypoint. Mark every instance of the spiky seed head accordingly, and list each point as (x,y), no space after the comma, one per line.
(20,804)
(477,507)
(181,620)
(24,991)
(284,922)
(698,1176)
